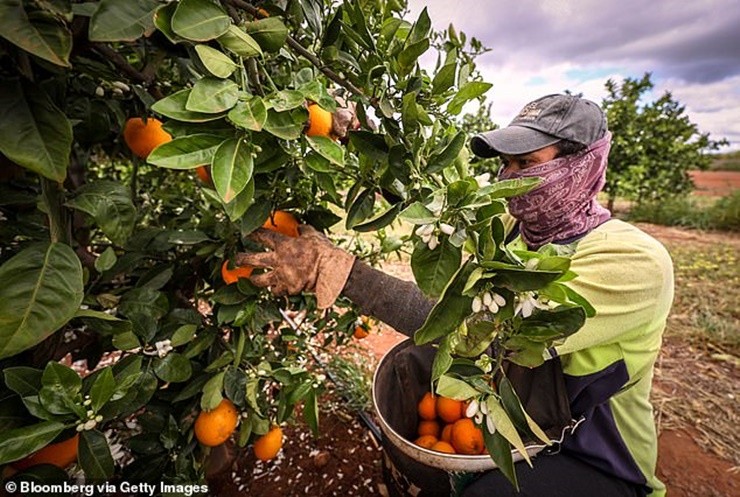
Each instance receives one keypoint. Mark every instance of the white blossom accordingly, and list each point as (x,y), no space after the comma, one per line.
(433,243)
(425,230)
(528,302)
(490,425)
(99,91)
(120,85)
(483,179)
(446,228)
(472,409)
(477,304)
(532,263)
(163,347)
(478,418)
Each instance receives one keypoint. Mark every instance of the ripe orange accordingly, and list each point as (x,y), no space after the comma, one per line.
(143,137)
(443,447)
(282,222)
(426,407)
(60,454)
(428,427)
(203,174)
(268,445)
(215,427)
(319,121)
(362,330)
(446,434)
(466,437)
(426,441)
(450,410)
(232,275)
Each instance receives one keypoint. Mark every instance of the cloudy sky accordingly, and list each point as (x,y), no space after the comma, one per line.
(548,46)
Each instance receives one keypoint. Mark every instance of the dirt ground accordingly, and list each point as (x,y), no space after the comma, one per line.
(715,183)
(346,459)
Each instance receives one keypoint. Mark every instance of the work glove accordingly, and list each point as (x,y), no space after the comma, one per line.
(307,263)
(344,118)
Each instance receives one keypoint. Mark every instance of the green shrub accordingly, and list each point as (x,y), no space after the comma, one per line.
(685,211)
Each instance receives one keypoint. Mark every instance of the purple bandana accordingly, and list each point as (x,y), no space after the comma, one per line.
(563,205)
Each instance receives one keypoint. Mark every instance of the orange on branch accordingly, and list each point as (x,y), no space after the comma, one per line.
(203,174)
(232,275)
(60,454)
(319,121)
(268,445)
(426,407)
(143,137)
(282,222)
(467,438)
(215,427)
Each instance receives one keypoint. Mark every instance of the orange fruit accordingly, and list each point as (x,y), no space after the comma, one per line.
(268,445)
(60,454)
(215,427)
(450,410)
(203,174)
(426,407)
(361,332)
(282,222)
(446,434)
(466,437)
(428,427)
(143,137)
(232,275)
(319,121)
(426,441)
(443,447)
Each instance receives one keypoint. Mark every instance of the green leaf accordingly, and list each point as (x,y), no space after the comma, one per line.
(421,29)
(443,159)
(218,63)
(370,145)
(187,152)
(417,213)
(41,290)
(126,340)
(240,43)
(311,412)
(59,375)
(212,396)
(545,326)
(286,100)
(20,442)
(408,57)
(361,208)
(269,33)
(433,269)
(173,368)
(187,237)
(184,334)
(286,125)
(251,114)
(232,168)
(442,359)
(212,96)
(505,427)
(109,203)
(114,20)
(380,221)
(327,148)
(237,207)
(519,417)
(500,451)
(44,35)
(163,21)
(509,187)
(449,311)
(106,260)
(469,91)
(103,388)
(317,163)
(522,280)
(95,457)
(27,111)
(444,79)
(23,380)
(174,106)
(200,20)
(455,388)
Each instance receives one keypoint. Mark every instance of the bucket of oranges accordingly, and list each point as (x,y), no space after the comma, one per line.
(431,446)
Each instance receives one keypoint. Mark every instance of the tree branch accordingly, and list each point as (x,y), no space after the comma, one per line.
(301,50)
(146,77)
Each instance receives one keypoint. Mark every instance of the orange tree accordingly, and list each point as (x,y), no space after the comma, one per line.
(108,255)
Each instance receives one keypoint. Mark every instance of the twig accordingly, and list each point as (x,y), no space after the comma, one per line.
(146,77)
(301,50)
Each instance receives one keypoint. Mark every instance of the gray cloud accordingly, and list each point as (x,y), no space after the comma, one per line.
(694,41)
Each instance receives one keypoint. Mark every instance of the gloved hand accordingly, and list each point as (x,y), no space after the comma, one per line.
(309,262)
(344,118)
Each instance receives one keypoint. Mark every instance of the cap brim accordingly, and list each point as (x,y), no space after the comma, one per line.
(512,140)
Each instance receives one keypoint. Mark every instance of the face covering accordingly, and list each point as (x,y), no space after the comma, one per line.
(563,206)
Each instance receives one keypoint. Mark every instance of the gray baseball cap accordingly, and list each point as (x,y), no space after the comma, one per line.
(544,122)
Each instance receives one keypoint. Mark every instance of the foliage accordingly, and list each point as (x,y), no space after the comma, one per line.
(725,162)
(723,214)
(104,254)
(654,144)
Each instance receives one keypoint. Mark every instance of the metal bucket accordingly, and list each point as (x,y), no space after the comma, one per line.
(399,382)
